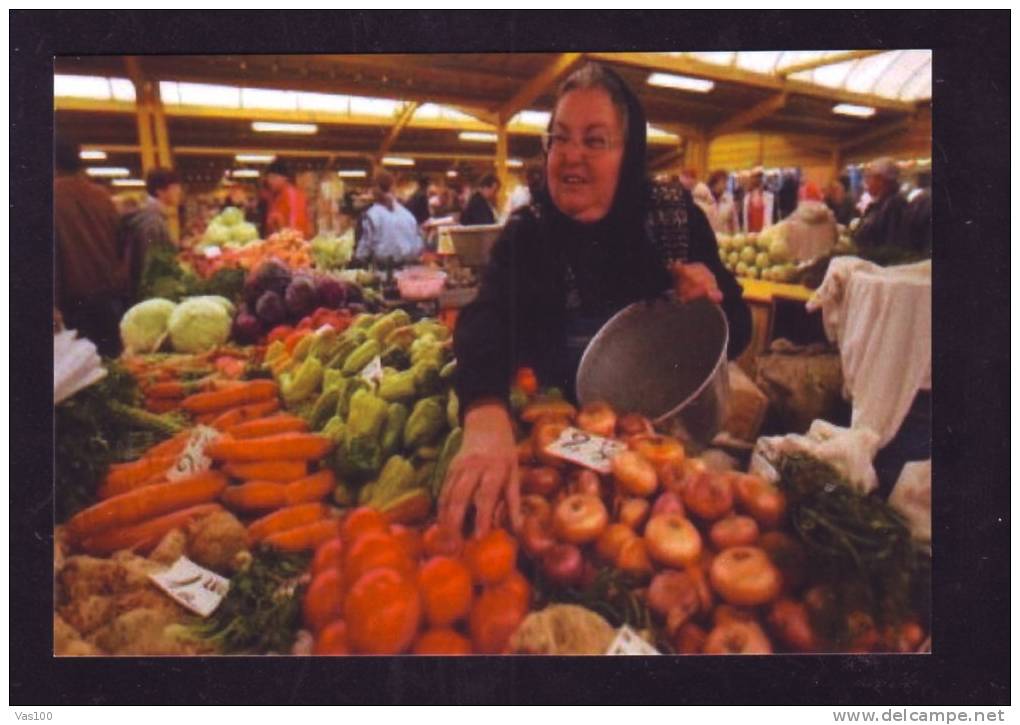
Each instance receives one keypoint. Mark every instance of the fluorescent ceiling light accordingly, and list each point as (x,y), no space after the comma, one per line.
(352,173)
(255,158)
(245,173)
(683,83)
(92,155)
(270,127)
(107,171)
(480,136)
(128,182)
(397,161)
(849,109)
(514,163)
(451,174)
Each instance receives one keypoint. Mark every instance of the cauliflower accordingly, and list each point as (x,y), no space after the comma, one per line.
(170,548)
(143,327)
(198,325)
(229,216)
(216,540)
(243,233)
(67,642)
(563,629)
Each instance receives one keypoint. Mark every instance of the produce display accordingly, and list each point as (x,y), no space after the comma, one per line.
(228,229)
(288,247)
(758,256)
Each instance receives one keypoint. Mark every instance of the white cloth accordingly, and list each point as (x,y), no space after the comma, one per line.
(881,320)
(849,450)
(911,497)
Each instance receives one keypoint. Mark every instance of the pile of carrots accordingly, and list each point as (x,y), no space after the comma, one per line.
(262,466)
(166,381)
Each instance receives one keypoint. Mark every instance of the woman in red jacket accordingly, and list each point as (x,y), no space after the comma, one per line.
(288,207)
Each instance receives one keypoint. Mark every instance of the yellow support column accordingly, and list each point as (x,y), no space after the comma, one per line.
(162,135)
(501,163)
(148,149)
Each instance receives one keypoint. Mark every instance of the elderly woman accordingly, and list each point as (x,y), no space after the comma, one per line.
(596,239)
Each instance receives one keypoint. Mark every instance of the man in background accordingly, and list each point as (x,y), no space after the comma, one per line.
(481,209)
(418,204)
(146,229)
(523,195)
(90,277)
(884,223)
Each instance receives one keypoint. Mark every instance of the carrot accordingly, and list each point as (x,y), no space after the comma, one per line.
(284,471)
(162,405)
(253,391)
(255,495)
(281,423)
(304,538)
(144,536)
(285,519)
(312,488)
(240,414)
(171,446)
(121,476)
(146,502)
(170,389)
(283,446)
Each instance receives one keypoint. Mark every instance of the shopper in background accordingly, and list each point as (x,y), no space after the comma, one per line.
(523,195)
(741,185)
(91,287)
(389,232)
(919,214)
(598,237)
(717,203)
(885,222)
(481,209)
(759,204)
(688,179)
(418,204)
(288,207)
(788,194)
(145,229)
(838,200)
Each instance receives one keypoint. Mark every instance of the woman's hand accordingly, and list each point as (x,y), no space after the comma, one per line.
(692,281)
(484,472)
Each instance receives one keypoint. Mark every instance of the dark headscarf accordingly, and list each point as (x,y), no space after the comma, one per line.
(619,240)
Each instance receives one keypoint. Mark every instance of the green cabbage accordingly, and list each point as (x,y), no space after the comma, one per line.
(216,234)
(144,325)
(218,299)
(198,325)
(230,216)
(244,232)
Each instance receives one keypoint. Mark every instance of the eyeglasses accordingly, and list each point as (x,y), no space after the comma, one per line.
(592,144)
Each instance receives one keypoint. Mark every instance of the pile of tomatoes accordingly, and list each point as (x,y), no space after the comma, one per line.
(382,589)
(705,547)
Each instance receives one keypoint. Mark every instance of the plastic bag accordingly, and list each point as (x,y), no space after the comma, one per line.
(849,451)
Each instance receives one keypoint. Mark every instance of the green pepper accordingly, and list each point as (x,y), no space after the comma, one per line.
(453,410)
(334,429)
(361,357)
(398,386)
(425,423)
(395,356)
(303,383)
(448,371)
(396,477)
(450,447)
(426,378)
(324,407)
(393,433)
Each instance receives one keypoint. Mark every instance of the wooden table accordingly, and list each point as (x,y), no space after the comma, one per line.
(761,297)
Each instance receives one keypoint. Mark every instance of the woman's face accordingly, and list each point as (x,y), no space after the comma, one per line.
(582,180)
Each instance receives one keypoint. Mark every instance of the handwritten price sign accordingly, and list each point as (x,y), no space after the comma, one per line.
(586,449)
(193,459)
(628,642)
(193,586)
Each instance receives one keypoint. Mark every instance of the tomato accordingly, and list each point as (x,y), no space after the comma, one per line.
(359,521)
(446,590)
(527,381)
(760,499)
(442,642)
(659,450)
(580,518)
(673,540)
(633,512)
(790,622)
(329,555)
(382,610)
(409,539)
(540,480)
(492,557)
(631,424)
(332,640)
(324,600)
(439,541)
(495,616)
(545,433)
(732,638)
(563,564)
(633,557)
(516,588)
(374,550)
(690,639)
(280,332)
(536,537)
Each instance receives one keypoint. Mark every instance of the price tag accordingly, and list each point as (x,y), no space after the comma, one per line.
(372,372)
(193,586)
(212,252)
(586,449)
(628,642)
(193,459)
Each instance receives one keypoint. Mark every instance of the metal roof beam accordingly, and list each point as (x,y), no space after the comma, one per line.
(402,120)
(875,134)
(559,67)
(750,116)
